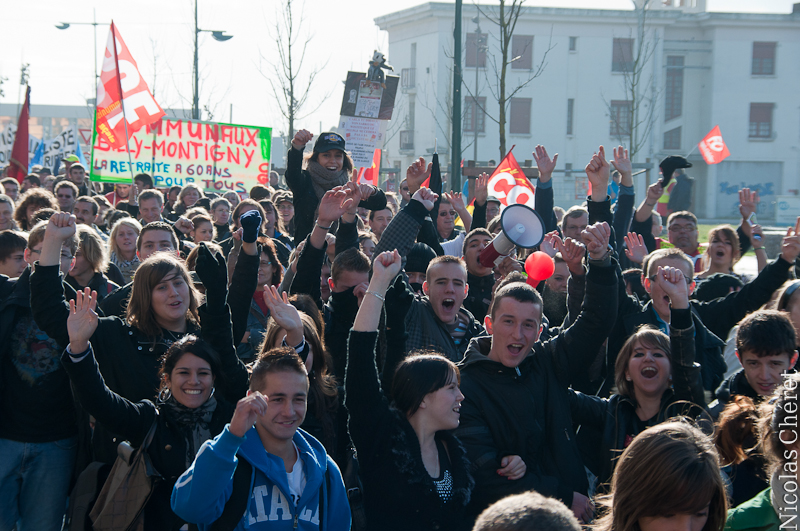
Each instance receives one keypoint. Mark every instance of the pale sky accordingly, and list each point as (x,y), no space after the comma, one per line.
(159,34)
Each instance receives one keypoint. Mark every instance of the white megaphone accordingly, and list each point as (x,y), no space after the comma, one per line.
(521,226)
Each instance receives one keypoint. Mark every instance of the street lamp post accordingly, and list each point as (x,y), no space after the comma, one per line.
(65,25)
(217,36)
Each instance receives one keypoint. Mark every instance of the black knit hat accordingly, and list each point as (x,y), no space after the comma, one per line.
(419,257)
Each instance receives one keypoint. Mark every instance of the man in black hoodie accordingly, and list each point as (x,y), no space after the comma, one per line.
(515,420)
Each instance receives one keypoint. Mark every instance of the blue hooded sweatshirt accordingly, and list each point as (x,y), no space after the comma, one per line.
(200,494)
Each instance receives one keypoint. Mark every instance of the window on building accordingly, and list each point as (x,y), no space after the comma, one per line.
(673,98)
(522,48)
(570,114)
(474,117)
(520,110)
(475,50)
(622,57)
(620,118)
(761,120)
(672,139)
(764,58)
(573,44)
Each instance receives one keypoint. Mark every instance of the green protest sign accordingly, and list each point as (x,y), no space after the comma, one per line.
(216,156)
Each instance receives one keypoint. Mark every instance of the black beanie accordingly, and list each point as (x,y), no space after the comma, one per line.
(419,257)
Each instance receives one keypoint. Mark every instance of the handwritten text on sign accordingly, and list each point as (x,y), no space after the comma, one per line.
(217,157)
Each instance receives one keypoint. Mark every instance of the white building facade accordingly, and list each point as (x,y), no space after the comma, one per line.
(739,71)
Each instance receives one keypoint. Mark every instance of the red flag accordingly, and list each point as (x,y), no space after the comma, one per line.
(122,87)
(18,168)
(370,175)
(713,148)
(509,184)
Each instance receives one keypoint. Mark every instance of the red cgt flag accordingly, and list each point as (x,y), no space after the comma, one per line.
(713,148)
(509,184)
(122,87)
(18,168)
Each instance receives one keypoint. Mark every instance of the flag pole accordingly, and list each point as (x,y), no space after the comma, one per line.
(121,97)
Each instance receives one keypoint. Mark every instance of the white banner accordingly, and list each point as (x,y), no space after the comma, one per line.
(362,137)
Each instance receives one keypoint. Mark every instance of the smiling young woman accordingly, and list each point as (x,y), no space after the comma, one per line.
(655,377)
(163,307)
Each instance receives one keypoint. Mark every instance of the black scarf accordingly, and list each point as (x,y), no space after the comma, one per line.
(194,423)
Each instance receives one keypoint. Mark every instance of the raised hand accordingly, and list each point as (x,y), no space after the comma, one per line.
(60,227)
(426,197)
(544,163)
(598,171)
(513,467)
(301,138)
(596,239)
(654,193)
(284,314)
(572,251)
(622,164)
(482,189)
(507,265)
(549,245)
(456,199)
(185,224)
(417,173)
(582,507)
(385,268)
(748,203)
(673,282)
(790,247)
(635,249)
(251,223)
(248,409)
(82,320)
(332,205)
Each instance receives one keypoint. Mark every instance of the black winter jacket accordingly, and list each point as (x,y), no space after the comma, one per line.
(305,199)
(399,494)
(131,421)
(525,411)
(735,384)
(611,421)
(128,359)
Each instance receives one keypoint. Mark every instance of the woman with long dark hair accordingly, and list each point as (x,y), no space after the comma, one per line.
(186,413)
(415,471)
(163,307)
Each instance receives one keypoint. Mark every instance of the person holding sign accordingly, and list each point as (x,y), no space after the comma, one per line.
(328,166)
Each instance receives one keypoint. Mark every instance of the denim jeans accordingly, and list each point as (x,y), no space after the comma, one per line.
(34,483)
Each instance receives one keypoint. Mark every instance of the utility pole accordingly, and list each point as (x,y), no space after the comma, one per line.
(478,47)
(196,87)
(455,156)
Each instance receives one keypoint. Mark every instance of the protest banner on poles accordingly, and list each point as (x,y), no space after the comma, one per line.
(48,152)
(216,156)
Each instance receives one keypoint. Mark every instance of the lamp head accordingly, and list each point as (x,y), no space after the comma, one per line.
(220,36)
(62,26)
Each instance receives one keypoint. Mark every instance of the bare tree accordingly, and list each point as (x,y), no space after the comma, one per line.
(632,120)
(290,91)
(505,16)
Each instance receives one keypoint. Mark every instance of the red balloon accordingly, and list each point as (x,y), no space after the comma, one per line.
(539,266)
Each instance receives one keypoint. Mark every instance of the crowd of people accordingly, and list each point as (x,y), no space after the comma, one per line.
(324,354)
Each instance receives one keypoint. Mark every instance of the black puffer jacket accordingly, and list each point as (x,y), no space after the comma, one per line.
(612,421)
(132,421)
(399,494)
(525,410)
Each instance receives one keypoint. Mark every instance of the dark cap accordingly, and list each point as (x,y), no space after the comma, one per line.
(280,197)
(329,141)
(419,257)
